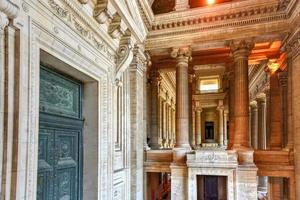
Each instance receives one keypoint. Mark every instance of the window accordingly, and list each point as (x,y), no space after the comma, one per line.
(209,85)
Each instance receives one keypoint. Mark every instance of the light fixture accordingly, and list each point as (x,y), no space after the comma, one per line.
(210,2)
(273,66)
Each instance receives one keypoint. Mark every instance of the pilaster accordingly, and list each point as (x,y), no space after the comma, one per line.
(136,69)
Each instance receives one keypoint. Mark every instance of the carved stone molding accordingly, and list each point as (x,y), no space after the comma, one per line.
(10,8)
(117,27)
(292,44)
(104,11)
(239,15)
(80,25)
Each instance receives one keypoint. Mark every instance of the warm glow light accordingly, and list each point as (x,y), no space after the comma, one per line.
(210,2)
(273,66)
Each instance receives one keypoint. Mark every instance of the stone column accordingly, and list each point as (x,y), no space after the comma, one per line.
(275,113)
(231,106)
(221,124)
(147,100)
(290,141)
(293,49)
(154,127)
(284,94)
(225,128)
(198,112)
(163,123)
(179,178)
(136,70)
(254,124)
(267,92)
(241,51)
(182,56)
(261,132)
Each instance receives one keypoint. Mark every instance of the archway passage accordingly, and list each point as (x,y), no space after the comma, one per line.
(60,137)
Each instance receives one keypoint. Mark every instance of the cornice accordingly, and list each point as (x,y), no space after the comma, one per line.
(146,12)
(219,13)
(230,16)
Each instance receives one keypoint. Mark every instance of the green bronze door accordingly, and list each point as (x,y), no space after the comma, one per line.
(60,137)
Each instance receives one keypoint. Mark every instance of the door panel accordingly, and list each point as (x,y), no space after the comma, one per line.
(60,138)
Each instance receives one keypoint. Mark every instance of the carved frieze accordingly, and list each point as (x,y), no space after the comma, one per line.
(81,27)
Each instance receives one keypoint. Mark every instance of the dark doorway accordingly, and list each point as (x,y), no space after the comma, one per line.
(209,130)
(211,188)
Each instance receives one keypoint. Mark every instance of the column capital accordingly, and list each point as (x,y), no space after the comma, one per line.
(198,109)
(155,77)
(183,55)
(253,104)
(261,97)
(241,48)
(220,107)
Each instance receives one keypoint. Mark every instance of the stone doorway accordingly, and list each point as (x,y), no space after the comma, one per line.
(211,188)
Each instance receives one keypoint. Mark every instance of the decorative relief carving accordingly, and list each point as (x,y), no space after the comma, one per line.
(59,10)
(81,27)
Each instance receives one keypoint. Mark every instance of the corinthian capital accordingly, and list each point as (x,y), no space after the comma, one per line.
(182,55)
(241,48)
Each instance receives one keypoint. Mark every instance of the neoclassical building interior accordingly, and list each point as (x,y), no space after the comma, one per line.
(149,99)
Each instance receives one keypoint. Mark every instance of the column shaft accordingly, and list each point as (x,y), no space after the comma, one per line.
(275,113)
(155,111)
(221,125)
(231,110)
(225,127)
(254,126)
(241,51)
(198,126)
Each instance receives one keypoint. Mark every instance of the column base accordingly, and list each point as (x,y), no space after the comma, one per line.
(246,182)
